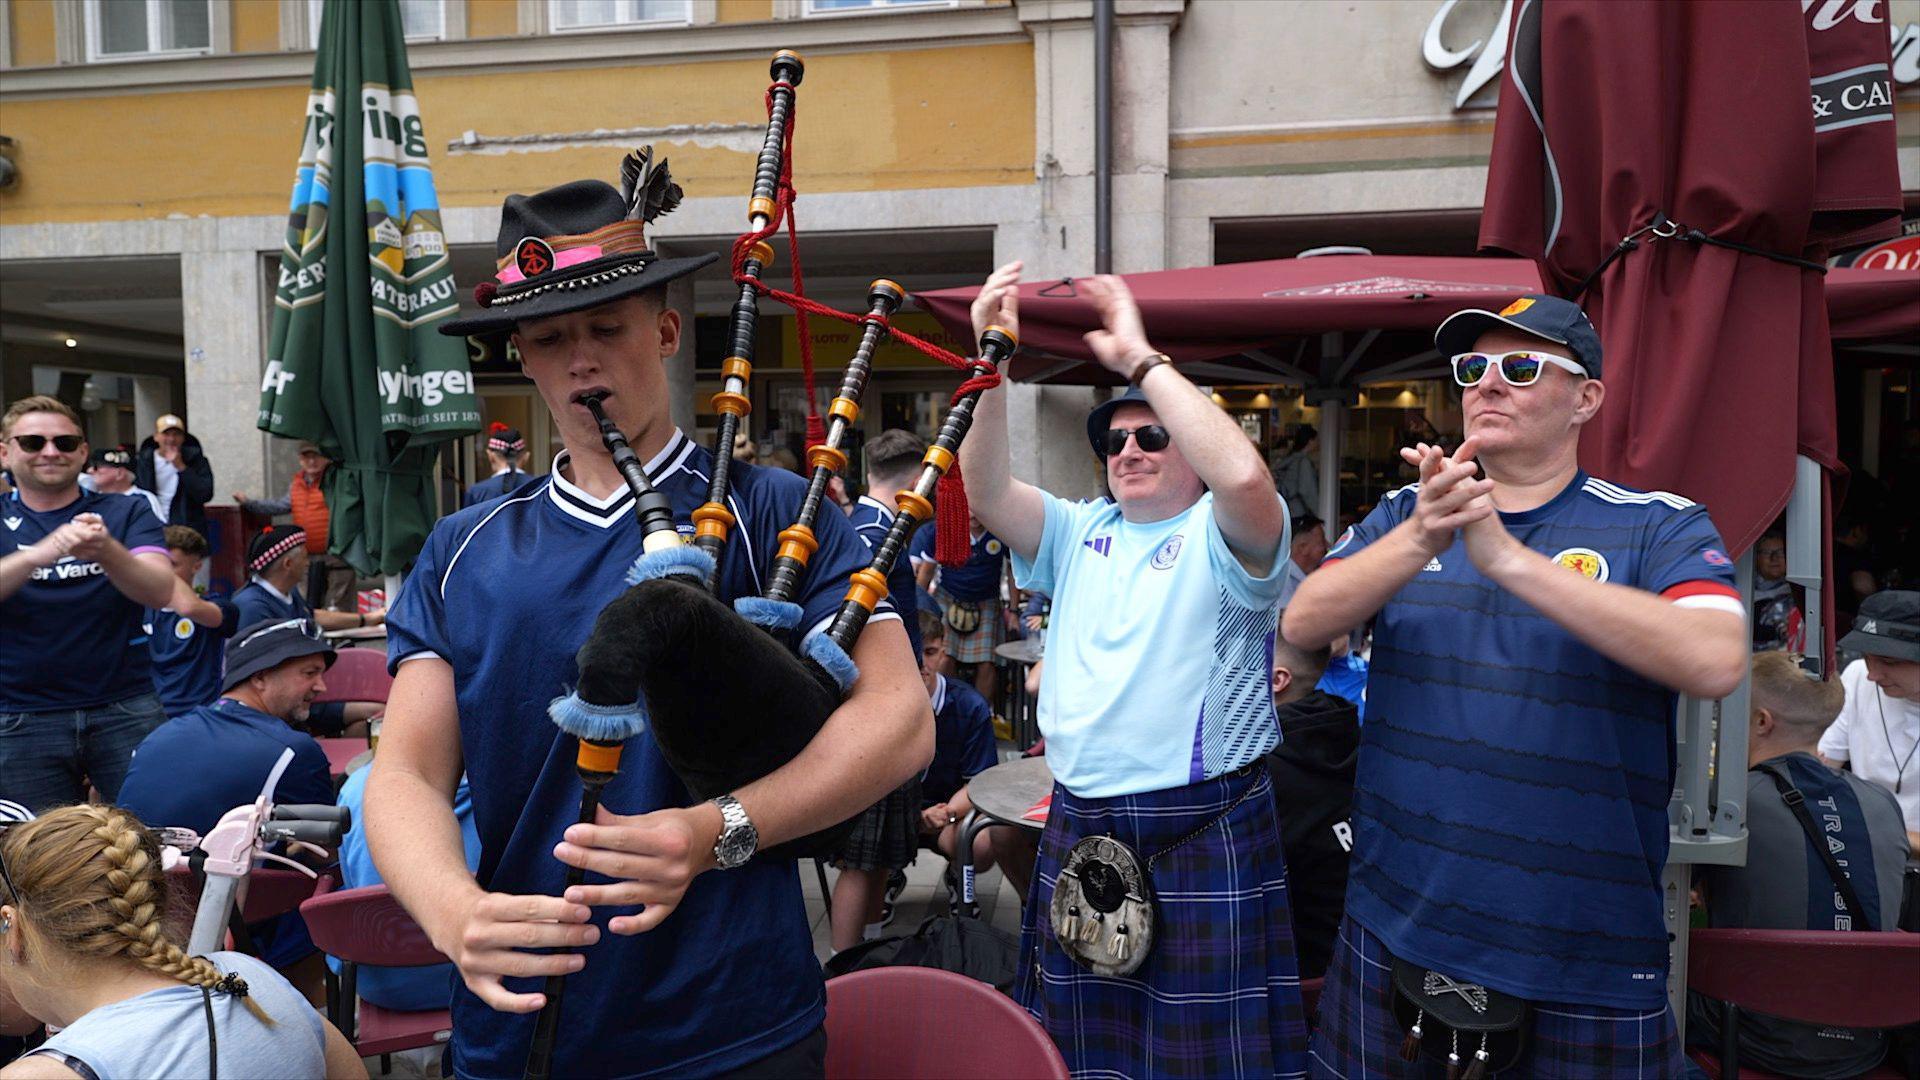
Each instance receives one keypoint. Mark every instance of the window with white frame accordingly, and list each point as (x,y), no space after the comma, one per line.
(563,15)
(841,7)
(420,20)
(133,29)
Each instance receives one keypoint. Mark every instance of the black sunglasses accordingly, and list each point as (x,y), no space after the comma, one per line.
(1151,437)
(32,444)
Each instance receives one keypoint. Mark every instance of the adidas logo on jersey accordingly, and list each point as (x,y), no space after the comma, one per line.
(1432,567)
(1102,545)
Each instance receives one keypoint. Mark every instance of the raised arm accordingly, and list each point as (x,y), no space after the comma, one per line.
(1250,517)
(1011,509)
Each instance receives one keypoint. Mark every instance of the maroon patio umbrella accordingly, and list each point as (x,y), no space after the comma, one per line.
(1247,322)
(1632,118)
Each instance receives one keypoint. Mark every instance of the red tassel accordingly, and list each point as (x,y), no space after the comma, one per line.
(953,528)
(816,430)
(483,293)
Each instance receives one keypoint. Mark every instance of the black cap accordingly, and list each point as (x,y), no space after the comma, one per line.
(1888,624)
(1102,417)
(273,542)
(1547,317)
(110,455)
(267,644)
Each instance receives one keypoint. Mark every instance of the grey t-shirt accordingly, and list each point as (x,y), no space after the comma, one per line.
(163,1033)
(1785,886)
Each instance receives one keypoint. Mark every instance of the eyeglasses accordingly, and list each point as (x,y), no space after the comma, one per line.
(33,444)
(1151,438)
(1517,368)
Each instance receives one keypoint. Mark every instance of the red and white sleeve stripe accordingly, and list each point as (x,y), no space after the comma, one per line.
(1707,594)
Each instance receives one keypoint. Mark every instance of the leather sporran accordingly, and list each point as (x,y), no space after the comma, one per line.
(1473,1029)
(963,617)
(1103,908)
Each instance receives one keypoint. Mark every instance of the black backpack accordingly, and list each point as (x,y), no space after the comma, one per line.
(963,945)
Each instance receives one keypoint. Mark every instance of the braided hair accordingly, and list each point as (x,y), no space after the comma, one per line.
(91,886)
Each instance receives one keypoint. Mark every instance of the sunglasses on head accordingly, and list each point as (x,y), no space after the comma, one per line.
(1150,437)
(1521,368)
(33,444)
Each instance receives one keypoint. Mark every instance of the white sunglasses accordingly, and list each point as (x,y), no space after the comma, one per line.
(1521,368)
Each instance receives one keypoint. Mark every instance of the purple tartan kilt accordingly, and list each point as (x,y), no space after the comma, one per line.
(1358,1036)
(1219,995)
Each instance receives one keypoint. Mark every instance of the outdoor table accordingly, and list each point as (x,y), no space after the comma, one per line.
(356,634)
(1025,721)
(1001,796)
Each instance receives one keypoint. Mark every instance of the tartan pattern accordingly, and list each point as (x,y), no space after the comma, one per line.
(977,647)
(886,835)
(1219,995)
(1358,1035)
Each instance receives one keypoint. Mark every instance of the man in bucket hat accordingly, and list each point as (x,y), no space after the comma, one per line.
(707,976)
(1878,730)
(1510,806)
(1158,716)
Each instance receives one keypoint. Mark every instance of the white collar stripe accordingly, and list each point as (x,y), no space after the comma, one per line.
(461,550)
(606,512)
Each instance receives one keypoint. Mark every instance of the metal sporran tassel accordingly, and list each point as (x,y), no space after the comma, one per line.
(1477,1068)
(1410,1046)
(1453,1059)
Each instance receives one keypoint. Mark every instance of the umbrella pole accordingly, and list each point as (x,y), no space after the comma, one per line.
(1333,422)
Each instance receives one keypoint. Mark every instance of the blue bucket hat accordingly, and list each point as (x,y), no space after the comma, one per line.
(1102,416)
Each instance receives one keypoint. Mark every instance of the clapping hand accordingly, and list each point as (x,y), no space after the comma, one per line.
(1451,495)
(998,303)
(92,537)
(1121,342)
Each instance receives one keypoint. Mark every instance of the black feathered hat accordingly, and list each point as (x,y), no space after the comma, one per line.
(578,246)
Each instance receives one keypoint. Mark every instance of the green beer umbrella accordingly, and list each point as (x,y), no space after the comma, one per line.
(353,361)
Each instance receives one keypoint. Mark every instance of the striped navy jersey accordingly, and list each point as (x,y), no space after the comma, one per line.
(506,592)
(1510,808)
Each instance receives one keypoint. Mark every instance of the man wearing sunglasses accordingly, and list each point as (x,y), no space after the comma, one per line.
(1532,627)
(77,571)
(1158,713)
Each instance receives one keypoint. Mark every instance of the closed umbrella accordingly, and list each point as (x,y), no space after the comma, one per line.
(353,360)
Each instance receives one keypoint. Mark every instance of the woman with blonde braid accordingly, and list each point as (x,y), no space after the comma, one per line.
(84,948)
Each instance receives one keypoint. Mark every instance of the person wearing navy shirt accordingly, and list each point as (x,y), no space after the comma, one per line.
(507,453)
(77,570)
(201,764)
(277,558)
(682,968)
(1533,626)
(969,593)
(884,841)
(188,637)
(963,748)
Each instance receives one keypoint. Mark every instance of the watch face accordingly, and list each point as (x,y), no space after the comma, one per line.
(735,847)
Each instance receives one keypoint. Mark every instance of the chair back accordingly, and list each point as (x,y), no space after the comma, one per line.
(910,1022)
(367,926)
(269,892)
(357,675)
(1843,978)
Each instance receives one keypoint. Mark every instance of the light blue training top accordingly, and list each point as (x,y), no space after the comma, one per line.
(163,1033)
(1159,649)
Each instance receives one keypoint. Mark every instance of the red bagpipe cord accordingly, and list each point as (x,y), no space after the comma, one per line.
(952,524)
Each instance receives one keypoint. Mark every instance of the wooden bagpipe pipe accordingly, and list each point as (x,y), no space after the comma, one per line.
(720,686)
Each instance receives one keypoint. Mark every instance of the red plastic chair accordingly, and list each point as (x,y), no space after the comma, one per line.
(901,1023)
(368,926)
(357,675)
(269,892)
(1828,977)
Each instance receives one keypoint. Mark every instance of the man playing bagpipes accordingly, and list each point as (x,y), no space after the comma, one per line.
(688,972)
(1158,939)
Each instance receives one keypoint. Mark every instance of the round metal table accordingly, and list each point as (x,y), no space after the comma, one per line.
(1001,796)
(1025,719)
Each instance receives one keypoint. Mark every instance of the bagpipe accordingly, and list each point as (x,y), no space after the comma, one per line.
(720,686)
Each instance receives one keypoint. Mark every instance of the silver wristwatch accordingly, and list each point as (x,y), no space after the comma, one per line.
(738,838)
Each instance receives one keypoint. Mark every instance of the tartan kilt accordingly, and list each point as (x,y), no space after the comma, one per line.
(1219,995)
(1358,1035)
(977,647)
(886,835)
